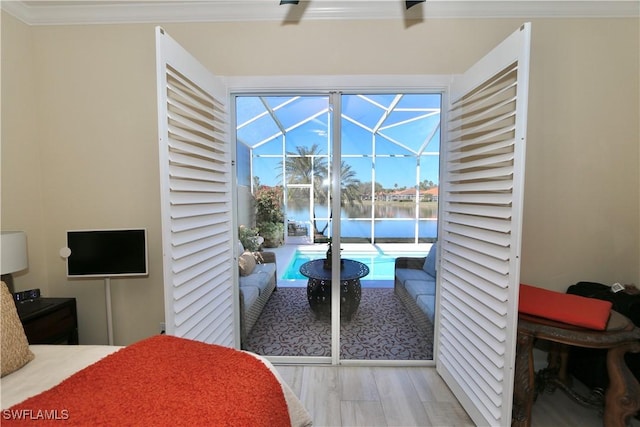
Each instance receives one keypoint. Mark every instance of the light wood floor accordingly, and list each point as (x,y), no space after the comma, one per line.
(405,396)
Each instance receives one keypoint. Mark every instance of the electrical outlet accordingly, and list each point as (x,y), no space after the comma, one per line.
(162,328)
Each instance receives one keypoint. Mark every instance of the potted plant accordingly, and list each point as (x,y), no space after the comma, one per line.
(273,234)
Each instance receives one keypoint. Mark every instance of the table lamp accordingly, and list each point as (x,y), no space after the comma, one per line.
(13,255)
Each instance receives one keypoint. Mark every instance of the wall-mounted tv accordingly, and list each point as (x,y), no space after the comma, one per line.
(107,253)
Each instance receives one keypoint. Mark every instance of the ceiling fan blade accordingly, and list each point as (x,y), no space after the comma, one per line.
(410,4)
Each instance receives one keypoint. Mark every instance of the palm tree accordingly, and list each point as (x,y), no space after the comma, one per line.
(350,185)
(308,166)
(305,166)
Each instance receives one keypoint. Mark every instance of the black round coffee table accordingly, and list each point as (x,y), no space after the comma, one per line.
(319,286)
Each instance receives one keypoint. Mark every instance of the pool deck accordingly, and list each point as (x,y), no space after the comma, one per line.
(285,253)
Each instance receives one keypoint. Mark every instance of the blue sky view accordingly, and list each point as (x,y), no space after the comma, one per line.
(397,131)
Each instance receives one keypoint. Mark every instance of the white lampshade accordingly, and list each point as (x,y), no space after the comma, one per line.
(13,252)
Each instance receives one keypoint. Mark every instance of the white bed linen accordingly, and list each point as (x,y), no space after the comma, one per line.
(54,363)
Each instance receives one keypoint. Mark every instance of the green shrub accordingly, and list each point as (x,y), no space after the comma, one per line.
(270,215)
(248,238)
(269,205)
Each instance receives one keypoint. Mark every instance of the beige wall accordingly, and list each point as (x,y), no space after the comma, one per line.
(93,162)
(79,135)
(581,200)
(21,183)
(246,208)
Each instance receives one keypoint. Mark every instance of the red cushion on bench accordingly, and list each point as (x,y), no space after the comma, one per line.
(566,308)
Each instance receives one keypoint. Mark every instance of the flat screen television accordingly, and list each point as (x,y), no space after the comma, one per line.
(107,253)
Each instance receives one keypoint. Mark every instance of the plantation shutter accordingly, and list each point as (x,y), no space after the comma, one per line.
(481,216)
(195,171)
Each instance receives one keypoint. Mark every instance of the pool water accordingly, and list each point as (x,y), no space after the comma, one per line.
(380,265)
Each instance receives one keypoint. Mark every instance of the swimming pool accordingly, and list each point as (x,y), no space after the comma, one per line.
(380,265)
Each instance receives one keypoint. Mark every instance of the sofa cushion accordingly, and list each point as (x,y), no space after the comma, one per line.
(262,275)
(427,303)
(567,308)
(415,288)
(429,266)
(249,295)
(268,268)
(404,274)
(246,263)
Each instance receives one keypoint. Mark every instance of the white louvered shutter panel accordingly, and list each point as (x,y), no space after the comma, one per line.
(480,227)
(195,175)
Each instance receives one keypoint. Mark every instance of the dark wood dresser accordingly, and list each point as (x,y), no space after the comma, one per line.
(49,320)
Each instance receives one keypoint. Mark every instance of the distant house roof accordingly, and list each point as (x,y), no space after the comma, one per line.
(408,194)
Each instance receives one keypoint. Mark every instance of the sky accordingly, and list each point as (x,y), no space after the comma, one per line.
(404,126)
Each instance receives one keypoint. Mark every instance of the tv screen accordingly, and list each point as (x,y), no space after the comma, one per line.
(107,253)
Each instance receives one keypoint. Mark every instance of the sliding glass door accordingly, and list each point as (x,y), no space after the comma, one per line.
(283,152)
(389,151)
(369,160)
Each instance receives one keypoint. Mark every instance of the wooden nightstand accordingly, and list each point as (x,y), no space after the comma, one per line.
(49,320)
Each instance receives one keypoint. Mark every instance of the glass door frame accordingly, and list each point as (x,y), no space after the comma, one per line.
(335,87)
(335,157)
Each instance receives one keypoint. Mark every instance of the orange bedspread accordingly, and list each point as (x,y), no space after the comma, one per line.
(162,380)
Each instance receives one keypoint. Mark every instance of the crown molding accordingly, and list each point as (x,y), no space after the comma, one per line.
(113,12)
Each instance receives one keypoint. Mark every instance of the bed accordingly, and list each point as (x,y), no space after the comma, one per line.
(161,380)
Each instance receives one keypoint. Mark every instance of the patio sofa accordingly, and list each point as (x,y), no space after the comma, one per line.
(258,280)
(415,285)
